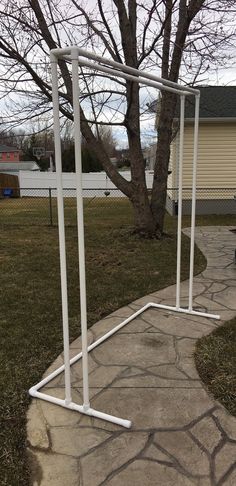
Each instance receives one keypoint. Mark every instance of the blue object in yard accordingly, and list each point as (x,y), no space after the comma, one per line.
(7,192)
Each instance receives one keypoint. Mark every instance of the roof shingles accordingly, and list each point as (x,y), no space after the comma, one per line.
(215,102)
(6,148)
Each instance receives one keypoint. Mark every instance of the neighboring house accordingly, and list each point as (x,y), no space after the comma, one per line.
(216,174)
(9,154)
(149,154)
(113,161)
(10,161)
(15,167)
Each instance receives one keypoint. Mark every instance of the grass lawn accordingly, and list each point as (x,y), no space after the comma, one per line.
(215,359)
(120,268)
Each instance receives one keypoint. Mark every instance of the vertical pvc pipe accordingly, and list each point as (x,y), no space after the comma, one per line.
(80,224)
(180,198)
(194,183)
(61,228)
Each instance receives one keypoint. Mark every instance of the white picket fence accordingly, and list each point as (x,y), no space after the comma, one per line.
(37,184)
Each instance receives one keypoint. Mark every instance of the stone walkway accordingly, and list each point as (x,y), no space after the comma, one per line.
(180,436)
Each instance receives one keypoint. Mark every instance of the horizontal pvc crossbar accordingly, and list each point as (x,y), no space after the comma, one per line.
(131,77)
(68,53)
(34,390)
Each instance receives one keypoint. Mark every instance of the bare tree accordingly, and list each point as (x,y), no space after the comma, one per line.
(178,38)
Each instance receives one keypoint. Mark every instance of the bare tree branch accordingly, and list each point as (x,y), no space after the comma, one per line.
(164,36)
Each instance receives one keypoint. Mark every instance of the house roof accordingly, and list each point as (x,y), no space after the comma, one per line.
(17,166)
(215,102)
(7,148)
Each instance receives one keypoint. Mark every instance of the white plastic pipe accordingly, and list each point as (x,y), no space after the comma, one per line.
(126,69)
(67,403)
(61,226)
(100,340)
(110,333)
(136,72)
(185,311)
(79,408)
(180,190)
(80,224)
(137,79)
(87,410)
(59,52)
(193,213)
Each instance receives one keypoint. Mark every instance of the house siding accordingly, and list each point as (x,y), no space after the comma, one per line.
(171,182)
(216,155)
(216,170)
(9,156)
(170,205)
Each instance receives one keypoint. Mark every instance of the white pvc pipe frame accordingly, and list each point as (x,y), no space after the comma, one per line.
(76,56)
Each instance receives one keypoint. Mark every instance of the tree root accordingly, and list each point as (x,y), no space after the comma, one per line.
(150,234)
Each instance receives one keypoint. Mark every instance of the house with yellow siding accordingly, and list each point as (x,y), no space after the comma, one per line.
(216,173)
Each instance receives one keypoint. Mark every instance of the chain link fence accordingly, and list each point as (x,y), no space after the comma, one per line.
(208,200)
(32,206)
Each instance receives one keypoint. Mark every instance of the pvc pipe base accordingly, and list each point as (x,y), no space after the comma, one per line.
(185,311)
(34,390)
(81,409)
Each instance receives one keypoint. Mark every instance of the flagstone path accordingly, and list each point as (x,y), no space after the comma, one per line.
(145,372)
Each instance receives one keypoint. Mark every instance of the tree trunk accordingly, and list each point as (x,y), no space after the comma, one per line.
(139,194)
(159,190)
(145,224)
(143,217)
(136,190)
